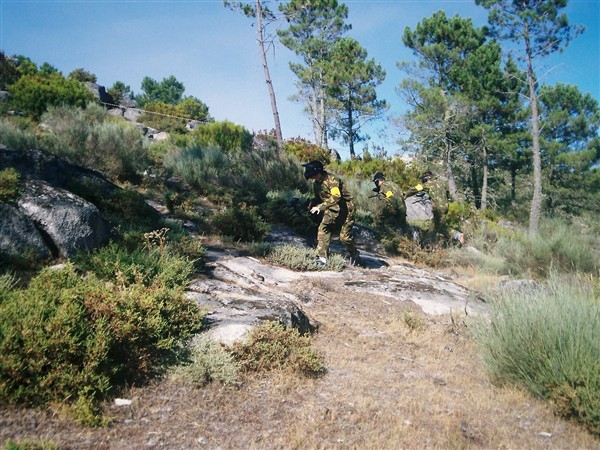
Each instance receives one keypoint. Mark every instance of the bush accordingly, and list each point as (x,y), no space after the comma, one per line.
(241,224)
(547,339)
(208,362)
(15,137)
(88,138)
(9,185)
(76,340)
(271,346)
(225,135)
(32,95)
(306,151)
(303,259)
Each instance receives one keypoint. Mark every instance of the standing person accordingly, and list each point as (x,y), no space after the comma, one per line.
(390,213)
(437,190)
(331,197)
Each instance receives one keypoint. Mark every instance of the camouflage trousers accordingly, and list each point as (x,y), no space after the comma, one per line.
(336,222)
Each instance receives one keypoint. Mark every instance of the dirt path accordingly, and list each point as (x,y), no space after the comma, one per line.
(398,378)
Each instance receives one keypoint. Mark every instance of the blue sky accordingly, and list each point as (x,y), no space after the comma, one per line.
(213,52)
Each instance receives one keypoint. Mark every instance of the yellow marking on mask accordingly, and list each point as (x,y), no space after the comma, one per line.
(336,191)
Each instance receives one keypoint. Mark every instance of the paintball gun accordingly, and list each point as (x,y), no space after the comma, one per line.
(301,207)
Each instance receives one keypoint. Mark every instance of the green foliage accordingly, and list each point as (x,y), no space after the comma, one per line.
(558,246)
(225,135)
(9,185)
(303,259)
(458,213)
(88,137)
(305,150)
(32,95)
(547,338)
(29,444)
(9,71)
(208,362)
(351,88)
(271,346)
(394,169)
(241,224)
(73,339)
(119,91)
(234,177)
(169,91)
(82,75)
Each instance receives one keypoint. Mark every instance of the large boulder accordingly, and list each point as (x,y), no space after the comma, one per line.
(19,237)
(418,209)
(48,218)
(70,222)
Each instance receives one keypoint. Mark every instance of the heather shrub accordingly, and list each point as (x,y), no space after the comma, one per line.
(208,362)
(306,151)
(303,259)
(271,346)
(241,224)
(76,340)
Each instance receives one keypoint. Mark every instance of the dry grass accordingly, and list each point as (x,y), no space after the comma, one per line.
(389,385)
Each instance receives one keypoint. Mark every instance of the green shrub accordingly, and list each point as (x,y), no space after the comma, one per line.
(547,339)
(303,259)
(306,151)
(32,95)
(225,135)
(271,346)
(458,213)
(16,137)
(9,185)
(208,362)
(241,224)
(75,340)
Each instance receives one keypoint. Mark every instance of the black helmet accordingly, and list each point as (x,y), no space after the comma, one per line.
(378,176)
(312,168)
(427,175)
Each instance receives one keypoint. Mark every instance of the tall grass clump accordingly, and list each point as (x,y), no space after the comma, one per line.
(16,137)
(90,138)
(548,340)
(557,246)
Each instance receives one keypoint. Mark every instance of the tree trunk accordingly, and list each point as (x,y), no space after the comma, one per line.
(484,183)
(536,201)
(263,55)
(475,187)
(449,173)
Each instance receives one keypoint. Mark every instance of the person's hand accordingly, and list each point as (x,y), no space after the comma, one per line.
(314,210)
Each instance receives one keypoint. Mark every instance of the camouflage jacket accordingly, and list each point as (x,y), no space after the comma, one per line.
(332,195)
(391,198)
(436,189)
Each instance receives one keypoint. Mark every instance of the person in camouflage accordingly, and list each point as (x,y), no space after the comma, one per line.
(390,210)
(437,190)
(333,200)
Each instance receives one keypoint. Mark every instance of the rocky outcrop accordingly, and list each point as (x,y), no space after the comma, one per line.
(47,218)
(418,209)
(69,222)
